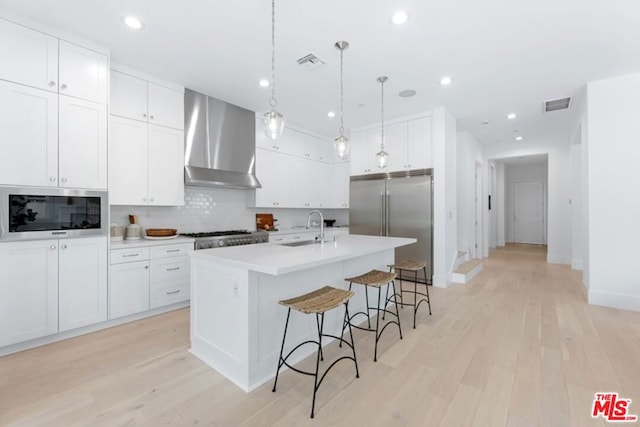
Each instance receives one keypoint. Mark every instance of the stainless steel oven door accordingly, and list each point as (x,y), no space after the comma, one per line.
(33,213)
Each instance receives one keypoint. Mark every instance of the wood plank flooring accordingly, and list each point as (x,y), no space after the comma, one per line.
(517,346)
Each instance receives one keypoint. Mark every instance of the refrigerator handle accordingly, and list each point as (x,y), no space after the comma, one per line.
(386,214)
(382,213)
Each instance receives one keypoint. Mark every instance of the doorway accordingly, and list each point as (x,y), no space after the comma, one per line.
(528,212)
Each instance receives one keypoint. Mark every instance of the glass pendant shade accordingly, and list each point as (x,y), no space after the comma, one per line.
(341,145)
(273,123)
(382,158)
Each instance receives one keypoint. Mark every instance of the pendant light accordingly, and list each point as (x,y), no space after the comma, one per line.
(341,143)
(382,156)
(273,120)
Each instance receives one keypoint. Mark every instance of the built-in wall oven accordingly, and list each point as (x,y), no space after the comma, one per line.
(29,213)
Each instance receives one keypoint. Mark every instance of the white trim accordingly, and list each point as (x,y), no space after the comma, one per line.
(609,299)
(393,121)
(576,264)
(440,281)
(144,76)
(558,259)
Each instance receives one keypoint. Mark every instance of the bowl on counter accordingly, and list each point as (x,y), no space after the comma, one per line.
(329,222)
(160,232)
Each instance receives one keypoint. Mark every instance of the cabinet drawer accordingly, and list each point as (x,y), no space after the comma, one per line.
(166,251)
(118,256)
(169,294)
(169,269)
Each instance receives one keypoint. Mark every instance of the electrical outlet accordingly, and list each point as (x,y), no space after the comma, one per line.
(235,289)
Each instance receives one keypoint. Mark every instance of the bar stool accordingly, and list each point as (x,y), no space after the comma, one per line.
(415,266)
(375,279)
(317,302)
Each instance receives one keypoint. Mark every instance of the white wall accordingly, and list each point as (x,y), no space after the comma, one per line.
(444,196)
(558,191)
(522,173)
(613,205)
(576,203)
(469,151)
(500,205)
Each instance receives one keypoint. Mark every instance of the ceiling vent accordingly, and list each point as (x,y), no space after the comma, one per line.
(310,61)
(557,104)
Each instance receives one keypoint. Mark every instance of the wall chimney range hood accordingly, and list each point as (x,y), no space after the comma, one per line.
(219,143)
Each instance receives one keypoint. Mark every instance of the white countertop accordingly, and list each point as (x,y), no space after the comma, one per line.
(125,244)
(278,259)
(297,230)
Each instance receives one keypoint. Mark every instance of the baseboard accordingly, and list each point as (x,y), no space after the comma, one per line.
(440,281)
(576,264)
(610,299)
(557,259)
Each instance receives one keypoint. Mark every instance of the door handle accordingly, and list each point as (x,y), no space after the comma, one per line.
(382,214)
(386,214)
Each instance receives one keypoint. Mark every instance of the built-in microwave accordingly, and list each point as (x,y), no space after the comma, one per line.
(29,213)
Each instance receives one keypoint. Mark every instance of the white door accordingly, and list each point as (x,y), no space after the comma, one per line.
(128,96)
(477,251)
(28,290)
(83,73)
(128,288)
(28,57)
(166,166)
(127,162)
(82,282)
(82,144)
(528,212)
(166,106)
(359,153)
(29,136)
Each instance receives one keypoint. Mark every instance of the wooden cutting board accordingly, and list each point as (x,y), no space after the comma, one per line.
(264,221)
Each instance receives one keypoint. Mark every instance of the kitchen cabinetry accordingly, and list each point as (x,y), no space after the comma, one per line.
(147,277)
(48,286)
(274,171)
(364,144)
(340,185)
(146,101)
(146,164)
(82,282)
(53,108)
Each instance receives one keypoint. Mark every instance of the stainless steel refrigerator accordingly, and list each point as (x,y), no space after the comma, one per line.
(397,204)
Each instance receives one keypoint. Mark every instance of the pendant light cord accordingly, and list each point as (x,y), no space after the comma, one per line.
(273,101)
(341,93)
(382,115)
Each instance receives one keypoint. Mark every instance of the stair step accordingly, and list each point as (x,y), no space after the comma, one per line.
(466,271)
(461,254)
(467,266)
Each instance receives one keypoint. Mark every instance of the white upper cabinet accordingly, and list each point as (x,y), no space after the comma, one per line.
(28,57)
(139,99)
(419,143)
(84,73)
(166,166)
(29,143)
(340,185)
(362,152)
(396,146)
(82,154)
(274,171)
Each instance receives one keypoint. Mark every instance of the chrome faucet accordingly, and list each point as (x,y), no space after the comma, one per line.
(321,236)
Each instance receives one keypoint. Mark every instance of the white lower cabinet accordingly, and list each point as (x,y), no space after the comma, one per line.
(49,286)
(144,278)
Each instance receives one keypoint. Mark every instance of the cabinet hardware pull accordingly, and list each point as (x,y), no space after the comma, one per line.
(144,115)
(173,250)
(52,83)
(52,178)
(173,292)
(173,268)
(63,179)
(64,246)
(146,267)
(64,86)
(130,255)
(151,117)
(52,247)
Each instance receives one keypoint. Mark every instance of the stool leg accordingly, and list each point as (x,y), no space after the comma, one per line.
(427,288)
(353,343)
(386,297)
(366,297)
(397,311)
(415,297)
(346,320)
(319,331)
(315,380)
(375,349)
(280,360)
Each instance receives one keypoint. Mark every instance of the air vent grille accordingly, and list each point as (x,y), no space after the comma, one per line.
(557,104)
(310,61)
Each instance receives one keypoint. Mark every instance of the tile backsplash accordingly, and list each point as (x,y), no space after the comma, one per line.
(208,209)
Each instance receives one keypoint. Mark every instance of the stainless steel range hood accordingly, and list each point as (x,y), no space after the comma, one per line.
(219,143)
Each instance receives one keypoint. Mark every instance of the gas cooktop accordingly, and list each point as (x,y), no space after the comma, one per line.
(217,233)
(217,239)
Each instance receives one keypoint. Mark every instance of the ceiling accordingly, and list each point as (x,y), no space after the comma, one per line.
(503,56)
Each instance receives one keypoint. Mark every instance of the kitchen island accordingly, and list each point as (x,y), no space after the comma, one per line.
(236,321)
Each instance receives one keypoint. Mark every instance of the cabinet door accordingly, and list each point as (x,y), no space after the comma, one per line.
(82,144)
(166,106)
(340,185)
(266,176)
(128,289)
(29,142)
(28,290)
(359,153)
(262,141)
(83,73)
(127,162)
(396,146)
(128,96)
(419,144)
(301,183)
(82,282)
(166,166)
(321,184)
(282,168)
(29,57)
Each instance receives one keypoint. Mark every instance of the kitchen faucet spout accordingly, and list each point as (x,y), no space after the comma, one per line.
(321,236)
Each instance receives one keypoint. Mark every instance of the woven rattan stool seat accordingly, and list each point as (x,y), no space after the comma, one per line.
(318,301)
(375,278)
(409,264)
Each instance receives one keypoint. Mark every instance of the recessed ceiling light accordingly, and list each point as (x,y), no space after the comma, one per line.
(511,116)
(485,122)
(133,23)
(445,81)
(519,138)
(331,114)
(407,93)
(264,83)
(399,18)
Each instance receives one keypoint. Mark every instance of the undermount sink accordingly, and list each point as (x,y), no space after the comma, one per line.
(300,243)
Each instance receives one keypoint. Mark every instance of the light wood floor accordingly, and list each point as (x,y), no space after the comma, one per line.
(517,345)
